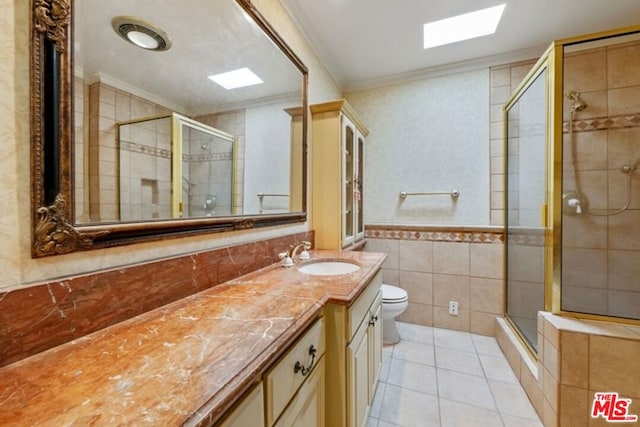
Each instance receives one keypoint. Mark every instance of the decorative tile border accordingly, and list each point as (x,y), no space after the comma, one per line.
(145,149)
(603,123)
(207,157)
(436,233)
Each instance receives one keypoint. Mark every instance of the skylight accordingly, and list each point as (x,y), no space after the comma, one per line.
(462,27)
(237,78)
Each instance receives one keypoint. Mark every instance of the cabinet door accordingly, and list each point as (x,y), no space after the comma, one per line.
(358,377)
(358,194)
(306,409)
(250,412)
(375,347)
(349,146)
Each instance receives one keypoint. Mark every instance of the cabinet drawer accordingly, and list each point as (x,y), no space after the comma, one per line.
(249,412)
(359,309)
(283,380)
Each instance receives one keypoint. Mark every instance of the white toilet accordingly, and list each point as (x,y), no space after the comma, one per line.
(394,302)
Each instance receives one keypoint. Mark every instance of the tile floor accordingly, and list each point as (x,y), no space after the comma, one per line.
(437,377)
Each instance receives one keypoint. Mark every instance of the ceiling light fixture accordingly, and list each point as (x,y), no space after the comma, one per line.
(462,27)
(140,33)
(237,78)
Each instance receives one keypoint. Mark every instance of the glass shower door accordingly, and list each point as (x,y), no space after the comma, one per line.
(526,171)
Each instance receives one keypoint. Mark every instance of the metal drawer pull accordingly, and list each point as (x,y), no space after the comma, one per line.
(305,370)
(373,320)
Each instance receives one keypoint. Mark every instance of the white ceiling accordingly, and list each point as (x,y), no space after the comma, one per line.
(370,42)
(208,37)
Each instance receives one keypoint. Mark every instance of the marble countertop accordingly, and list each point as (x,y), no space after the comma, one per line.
(181,364)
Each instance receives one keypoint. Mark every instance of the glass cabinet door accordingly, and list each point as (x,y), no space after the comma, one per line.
(349,141)
(359,189)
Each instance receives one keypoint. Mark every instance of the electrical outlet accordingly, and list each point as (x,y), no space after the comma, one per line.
(453,308)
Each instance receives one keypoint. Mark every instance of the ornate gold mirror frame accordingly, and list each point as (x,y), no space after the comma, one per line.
(54,231)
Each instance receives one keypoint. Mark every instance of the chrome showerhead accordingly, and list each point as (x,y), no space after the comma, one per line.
(578,104)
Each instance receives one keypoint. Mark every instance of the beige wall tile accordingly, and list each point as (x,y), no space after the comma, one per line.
(624,304)
(391,277)
(549,415)
(584,267)
(574,359)
(418,314)
(582,231)
(532,387)
(497,217)
(500,76)
(416,256)
(482,323)
(487,260)
(525,299)
(508,344)
(451,258)
(622,65)
(550,389)
(614,370)
(550,361)
(551,334)
(624,101)
(442,319)
(500,94)
(590,151)
(575,406)
(586,71)
(486,295)
(451,288)
(520,70)
(624,231)
(389,246)
(623,147)
(419,286)
(585,300)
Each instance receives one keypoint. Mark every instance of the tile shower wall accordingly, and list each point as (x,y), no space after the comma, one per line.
(436,265)
(232,122)
(576,361)
(504,81)
(143,165)
(601,254)
(144,170)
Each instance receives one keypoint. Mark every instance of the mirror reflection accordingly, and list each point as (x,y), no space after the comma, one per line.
(160,133)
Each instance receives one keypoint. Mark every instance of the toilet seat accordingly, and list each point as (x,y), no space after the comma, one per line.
(393,295)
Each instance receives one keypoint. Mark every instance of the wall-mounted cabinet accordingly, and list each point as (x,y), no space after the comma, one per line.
(337,173)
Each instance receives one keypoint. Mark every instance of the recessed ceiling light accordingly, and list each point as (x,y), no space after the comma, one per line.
(237,78)
(462,27)
(140,33)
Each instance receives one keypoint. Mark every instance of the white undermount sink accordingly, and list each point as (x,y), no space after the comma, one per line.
(328,268)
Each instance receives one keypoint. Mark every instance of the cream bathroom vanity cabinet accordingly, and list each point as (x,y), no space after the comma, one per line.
(292,391)
(353,356)
(337,171)
(328,377)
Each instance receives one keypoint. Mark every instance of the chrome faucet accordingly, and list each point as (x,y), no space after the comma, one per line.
(288,257)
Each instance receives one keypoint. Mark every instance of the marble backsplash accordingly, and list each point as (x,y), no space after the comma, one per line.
(51,313)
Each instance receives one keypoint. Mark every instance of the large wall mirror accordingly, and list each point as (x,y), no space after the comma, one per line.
(153,119)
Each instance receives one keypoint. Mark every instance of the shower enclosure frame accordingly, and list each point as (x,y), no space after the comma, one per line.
(176,122)
(551,61)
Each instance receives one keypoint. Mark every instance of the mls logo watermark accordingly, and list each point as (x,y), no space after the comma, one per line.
(612,408)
